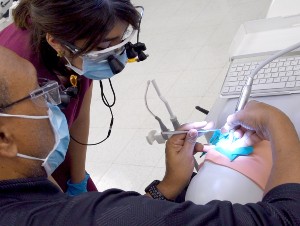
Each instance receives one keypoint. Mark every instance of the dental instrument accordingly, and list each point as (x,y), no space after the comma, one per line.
(200,132)
(246,91)
(153,135)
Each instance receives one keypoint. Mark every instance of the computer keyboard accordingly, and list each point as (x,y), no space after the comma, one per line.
(281,76)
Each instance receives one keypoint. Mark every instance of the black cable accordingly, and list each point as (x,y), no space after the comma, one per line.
(105,101)
(108,133)
(103,95)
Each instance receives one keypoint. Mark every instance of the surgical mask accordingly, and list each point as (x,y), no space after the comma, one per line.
(62,137)
(96,70)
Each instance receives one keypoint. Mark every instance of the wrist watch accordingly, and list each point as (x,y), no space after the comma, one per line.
(154,192)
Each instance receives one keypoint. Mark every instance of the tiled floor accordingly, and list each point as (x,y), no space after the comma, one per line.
(187,42)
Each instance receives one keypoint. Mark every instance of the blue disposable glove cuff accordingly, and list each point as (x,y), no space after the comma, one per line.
(78,188)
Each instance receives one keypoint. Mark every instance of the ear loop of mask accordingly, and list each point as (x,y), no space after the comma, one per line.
(106,103)
(27,117)
(24,116)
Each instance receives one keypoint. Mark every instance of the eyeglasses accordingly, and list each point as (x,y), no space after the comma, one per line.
(48,93)
(113,50)
(104,54)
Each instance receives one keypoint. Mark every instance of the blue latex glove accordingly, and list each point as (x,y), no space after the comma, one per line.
(78,188)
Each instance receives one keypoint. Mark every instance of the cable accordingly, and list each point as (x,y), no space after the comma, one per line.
(161,124)
(273,57)
(163,99)
(245,94)
(107,136)
(103,95)
(145,98)
(142,13)
(105,101)
(173,118)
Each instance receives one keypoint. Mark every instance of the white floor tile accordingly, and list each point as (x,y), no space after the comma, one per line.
(139,153)
(194,83)
(97,170)
(110,149)
(125,177)
(157,173)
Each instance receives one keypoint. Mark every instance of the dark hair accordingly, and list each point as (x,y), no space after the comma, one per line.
(4,94)
(71,20)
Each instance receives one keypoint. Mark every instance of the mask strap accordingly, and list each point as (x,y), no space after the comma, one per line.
(24,116)
(75,69)
(29,157)
(31,117)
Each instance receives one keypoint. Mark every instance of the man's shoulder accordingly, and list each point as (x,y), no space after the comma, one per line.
(33,201)
(38,200)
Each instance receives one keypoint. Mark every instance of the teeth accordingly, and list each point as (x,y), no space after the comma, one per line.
(231,136)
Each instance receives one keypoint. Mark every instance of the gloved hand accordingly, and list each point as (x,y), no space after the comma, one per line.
(78,188)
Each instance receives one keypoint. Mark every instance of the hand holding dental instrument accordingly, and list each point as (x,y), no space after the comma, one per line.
(242,101)
(160,138)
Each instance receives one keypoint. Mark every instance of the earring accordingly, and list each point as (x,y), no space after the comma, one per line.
(60,53)
(73,80)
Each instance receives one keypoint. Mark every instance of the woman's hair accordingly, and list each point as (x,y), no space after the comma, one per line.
(71,20)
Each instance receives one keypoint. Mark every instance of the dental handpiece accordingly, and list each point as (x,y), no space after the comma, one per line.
(243,99)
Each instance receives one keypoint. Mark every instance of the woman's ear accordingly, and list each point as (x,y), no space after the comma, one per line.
(8,146)
(56,45)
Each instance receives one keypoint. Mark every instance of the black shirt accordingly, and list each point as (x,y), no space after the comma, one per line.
(36,201)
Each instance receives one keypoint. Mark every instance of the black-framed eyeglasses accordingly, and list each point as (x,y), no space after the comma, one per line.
(47,93)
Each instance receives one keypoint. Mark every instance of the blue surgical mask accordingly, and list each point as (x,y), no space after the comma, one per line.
(62,137)
(96,70)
